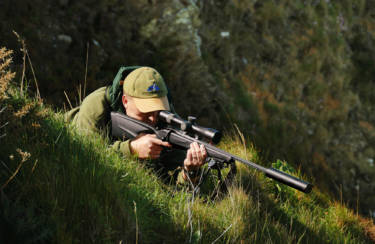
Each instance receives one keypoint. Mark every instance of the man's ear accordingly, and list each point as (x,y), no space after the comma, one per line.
(124,101)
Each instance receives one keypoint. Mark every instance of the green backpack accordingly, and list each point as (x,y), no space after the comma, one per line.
(114,91)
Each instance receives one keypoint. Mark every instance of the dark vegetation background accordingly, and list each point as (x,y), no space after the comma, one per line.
(296,77)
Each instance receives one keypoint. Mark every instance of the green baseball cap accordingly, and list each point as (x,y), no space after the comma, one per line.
(148,90)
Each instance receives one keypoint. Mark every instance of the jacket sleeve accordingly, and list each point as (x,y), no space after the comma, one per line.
(122,146)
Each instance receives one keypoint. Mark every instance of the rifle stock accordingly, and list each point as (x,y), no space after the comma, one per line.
(124,126)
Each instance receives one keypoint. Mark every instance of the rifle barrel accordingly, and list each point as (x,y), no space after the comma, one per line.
(270,172)
(280,176)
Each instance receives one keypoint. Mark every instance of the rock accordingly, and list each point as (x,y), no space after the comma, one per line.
(177,20)
(64,38)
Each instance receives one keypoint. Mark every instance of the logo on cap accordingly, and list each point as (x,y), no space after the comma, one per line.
(153,88)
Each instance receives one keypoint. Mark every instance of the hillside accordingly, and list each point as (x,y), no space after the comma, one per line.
(297,78)
(60,187)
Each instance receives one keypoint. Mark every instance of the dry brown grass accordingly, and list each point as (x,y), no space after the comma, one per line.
(5,74)
(5,77)
(369,227)
(10,116)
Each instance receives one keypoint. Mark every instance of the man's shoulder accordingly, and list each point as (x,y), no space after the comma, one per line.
(96,100)
(94,107)
(94,103)
(97,96)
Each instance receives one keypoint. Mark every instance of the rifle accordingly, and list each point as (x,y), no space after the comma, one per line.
(181,133)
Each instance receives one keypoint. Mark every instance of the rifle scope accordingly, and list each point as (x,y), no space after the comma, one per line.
(190,126)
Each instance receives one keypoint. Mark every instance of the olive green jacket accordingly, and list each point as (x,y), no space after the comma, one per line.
(94,116)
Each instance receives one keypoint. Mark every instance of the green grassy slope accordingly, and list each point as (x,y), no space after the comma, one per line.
(57,186)
(296,76)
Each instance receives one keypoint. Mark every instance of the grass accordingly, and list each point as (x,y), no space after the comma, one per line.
(57,186)
(88,193)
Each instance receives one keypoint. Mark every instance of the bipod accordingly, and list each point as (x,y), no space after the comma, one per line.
(222,185)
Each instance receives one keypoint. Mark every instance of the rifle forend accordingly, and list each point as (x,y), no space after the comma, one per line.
(124,126)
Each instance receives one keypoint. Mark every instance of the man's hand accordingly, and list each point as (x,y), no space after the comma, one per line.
(147,146)
(195,157)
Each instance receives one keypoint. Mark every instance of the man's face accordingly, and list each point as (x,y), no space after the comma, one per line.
(132,111)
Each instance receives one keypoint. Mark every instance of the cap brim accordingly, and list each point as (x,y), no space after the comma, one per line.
(146,105)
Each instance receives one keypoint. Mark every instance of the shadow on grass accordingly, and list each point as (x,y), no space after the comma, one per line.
(88,195)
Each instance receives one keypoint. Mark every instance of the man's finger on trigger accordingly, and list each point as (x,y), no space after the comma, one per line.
(161,143)
(165,144)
